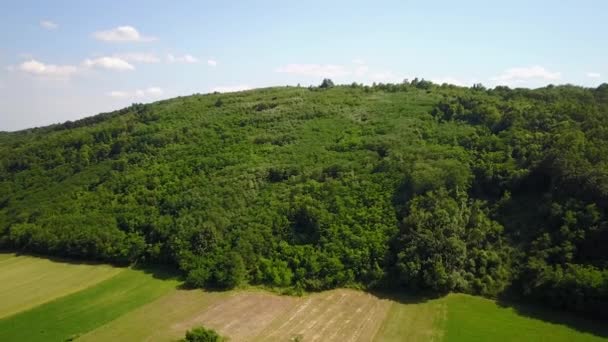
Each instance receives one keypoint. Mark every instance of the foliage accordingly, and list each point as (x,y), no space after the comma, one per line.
(414,184)
(449,244)
(327,83)
(202,334)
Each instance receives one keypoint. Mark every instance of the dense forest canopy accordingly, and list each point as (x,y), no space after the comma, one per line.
(415,186)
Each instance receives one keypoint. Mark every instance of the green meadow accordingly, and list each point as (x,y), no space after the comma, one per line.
(68,316)
(26,282)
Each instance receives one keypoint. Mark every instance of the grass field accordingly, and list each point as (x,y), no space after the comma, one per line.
(82,310)
(132,305)
(26,282)
(475,319)
(409,319)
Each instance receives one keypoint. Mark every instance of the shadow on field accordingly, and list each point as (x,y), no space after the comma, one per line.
(554,316)
(65,260)
(156,271)
(404,298)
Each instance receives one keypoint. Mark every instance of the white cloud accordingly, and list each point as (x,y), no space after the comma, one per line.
(111,63)
(37,68)
(118,94)
(522,74)
(316,70)
(121,34)
(361,70)
(594,75)
(154,91)
(48,25)
(448,80)
(212,62)
(138,57)
(358,70)
(182,59)
(230,89)
(384,76)
(138,93)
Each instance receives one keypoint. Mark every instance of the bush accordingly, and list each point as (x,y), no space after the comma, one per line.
(202,334)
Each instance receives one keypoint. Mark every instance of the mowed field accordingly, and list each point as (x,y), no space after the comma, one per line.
(122,304)
(26,282)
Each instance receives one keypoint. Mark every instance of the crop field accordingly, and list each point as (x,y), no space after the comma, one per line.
(121,304)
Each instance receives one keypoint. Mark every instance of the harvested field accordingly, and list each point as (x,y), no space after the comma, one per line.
(338,315)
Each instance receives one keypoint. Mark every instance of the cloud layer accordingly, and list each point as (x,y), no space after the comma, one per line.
(358,69)
(48,25)
(182,59)
(110,63)
(522,74)
(138,93)
(139,57)
(122,34)
(53,71)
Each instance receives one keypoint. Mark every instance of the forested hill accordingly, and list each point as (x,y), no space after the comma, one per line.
(416,186)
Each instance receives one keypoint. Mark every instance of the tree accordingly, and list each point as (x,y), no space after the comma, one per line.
(202,334)
(448,244)
(327,83)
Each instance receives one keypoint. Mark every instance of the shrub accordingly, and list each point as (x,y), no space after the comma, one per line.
(202,334)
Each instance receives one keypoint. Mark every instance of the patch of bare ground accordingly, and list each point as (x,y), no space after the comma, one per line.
(241,316)
(338,315)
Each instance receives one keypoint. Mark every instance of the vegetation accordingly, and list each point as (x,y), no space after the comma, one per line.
(82,310)
(412,185)
(21,276)
(136,306)
(477,319)
(459,317)
(201,334)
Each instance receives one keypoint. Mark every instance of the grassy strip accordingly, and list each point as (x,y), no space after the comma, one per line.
(26,282)
(83,311)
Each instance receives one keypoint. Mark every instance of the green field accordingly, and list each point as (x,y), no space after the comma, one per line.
(26,282)
(122,304)
(476,319)
(90,305)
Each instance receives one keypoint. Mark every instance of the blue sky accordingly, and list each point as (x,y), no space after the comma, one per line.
(64,60)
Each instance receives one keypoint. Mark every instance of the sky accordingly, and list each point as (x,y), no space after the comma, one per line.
(65,60)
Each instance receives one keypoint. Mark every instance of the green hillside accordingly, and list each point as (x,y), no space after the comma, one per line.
(416,185)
